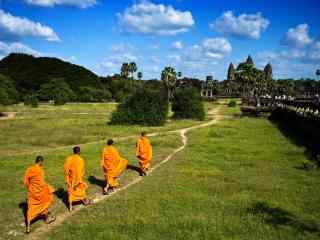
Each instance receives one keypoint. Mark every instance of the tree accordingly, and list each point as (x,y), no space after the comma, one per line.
(132,68)
(28,73)
(31,100)
(284,87)
(8,92)
(144,107)
(88,94)
(140,75)
(169,79)
(125,70)
(268,70)
(58,91)
(187,104)
(231,73)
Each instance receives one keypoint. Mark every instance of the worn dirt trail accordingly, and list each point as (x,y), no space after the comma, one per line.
(38,233)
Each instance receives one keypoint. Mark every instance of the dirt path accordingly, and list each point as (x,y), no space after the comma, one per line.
(38,233)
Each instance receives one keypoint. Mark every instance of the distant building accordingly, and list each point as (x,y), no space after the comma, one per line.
(209,88)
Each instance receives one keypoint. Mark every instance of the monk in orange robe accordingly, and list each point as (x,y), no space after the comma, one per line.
(74,170)
(40,194)
(144,153)
(112,165)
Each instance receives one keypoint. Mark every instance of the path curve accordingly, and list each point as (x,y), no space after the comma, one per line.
(37,233)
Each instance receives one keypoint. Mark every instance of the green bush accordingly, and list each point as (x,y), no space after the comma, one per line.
(232,103)
(8,92)
(145,107)
(89,94)
(187,104)
(31,100)
(57,90)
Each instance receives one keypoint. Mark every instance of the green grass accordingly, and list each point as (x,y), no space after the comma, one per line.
(237,180)
(12,170)
(37,129)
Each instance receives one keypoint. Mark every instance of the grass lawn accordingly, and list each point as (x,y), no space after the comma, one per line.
(239,179)
(12,170)
(38,129)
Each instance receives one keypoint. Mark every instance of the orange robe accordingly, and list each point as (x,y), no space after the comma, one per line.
(74,170)
(144,153)
(112,165)
(40,194)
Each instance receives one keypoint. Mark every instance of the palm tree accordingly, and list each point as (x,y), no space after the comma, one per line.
(169,79)
(140,75)
(132,68)
(125,69)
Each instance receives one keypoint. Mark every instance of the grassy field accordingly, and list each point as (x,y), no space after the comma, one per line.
(239,179)
(39,129)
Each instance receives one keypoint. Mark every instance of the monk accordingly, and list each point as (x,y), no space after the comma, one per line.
(144,153)
(112,165)
(40,194)
(74,170)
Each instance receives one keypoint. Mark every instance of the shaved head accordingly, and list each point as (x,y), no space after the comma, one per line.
(76,150)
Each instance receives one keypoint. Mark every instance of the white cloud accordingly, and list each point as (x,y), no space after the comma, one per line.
(298,37)
(216,47)
(155,60)
(117,55)
(200,59)
(12,26)
(316,45)
(155,19)
(245,25)
(52,3)
(7,48)
(177,45)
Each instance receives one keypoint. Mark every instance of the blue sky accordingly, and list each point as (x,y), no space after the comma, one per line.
(197,37)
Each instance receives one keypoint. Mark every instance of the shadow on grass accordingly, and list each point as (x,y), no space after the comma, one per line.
(63,196)
(303,132)
(96,181)
(102,182)
(278,217)
(136,169)
(24,208)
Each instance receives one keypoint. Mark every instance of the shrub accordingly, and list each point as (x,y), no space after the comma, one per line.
(145,107)
(57,90)
(89,94)
(34,101)
(31,100)
(232,103)
(187,104)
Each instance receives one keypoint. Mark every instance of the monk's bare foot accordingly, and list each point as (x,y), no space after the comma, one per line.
(70,206)
(108,191)
(28,229)
(50,219)
(87,202)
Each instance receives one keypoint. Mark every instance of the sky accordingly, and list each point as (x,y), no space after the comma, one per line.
(197,37)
